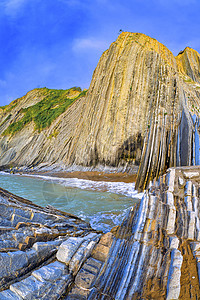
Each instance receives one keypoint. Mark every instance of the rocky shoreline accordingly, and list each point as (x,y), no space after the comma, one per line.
(87,175)
(154,254)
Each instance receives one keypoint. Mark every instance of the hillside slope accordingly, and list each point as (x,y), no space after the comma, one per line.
(35,128)
(142,109)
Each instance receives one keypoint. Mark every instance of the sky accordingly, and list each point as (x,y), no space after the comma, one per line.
(57,43)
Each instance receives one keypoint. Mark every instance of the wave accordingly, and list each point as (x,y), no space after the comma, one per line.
(122,188)
(103,209)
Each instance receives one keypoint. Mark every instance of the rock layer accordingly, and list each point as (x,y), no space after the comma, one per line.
(154,254)
(142,109)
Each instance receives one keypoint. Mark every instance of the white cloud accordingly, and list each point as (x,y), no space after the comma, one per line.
(83,44)
(12,7)
(171,3)
(179,2)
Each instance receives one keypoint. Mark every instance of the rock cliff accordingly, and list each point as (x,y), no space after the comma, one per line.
(141,112)
(153,254)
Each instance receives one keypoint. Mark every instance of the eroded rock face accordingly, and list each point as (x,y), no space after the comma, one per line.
(142,109)
(154,254)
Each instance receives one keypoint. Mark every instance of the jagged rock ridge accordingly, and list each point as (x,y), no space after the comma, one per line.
(142,109)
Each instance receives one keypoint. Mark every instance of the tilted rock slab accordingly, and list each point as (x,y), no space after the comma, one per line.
(154,254)
(141,110)
(30,237)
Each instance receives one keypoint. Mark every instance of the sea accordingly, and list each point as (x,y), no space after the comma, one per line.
(101,203)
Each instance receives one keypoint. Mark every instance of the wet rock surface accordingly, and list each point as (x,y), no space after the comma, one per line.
(154,254)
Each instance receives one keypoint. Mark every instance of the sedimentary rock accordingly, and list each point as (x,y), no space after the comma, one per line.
(142,109)
(30,236)
(153,254)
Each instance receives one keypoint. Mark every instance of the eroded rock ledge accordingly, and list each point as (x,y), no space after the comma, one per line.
(154,254)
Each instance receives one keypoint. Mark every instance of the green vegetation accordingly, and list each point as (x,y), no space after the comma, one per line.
(76,88)
(8,107)
(8,117)
(47,110)
(4,107)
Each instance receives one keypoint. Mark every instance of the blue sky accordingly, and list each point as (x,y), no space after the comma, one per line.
(57,43)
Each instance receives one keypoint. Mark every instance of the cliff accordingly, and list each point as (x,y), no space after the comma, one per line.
(141,112)
(37,128)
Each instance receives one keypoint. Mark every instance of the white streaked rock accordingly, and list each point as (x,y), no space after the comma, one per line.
(170,198)
(194,190)
(195,205)
(68,248)
(29,288)
(170,178)
(188,202)
(51,272)
(18,260)
(173,242)
(130,266)
(191,226)
(188,188)
(141,217)
(171,220)
(173,284)
(137,278)
(9,295)
(181,181)
(191,174)
(152,204)
(80,256)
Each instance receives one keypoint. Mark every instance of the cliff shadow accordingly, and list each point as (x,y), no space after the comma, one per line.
(131,150)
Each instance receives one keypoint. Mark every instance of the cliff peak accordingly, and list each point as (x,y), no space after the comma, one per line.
(187,49)
(145,43)
(188,62)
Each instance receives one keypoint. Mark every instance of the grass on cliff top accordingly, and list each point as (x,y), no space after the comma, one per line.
(10,106)
(47,110)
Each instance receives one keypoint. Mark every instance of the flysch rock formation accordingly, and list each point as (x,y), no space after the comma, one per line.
(154,254)
(141,111)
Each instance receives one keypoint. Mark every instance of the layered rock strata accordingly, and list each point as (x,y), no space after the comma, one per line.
(142,109)
(29,240)
(154,254)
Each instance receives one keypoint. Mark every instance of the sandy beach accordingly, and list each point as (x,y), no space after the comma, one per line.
(96,176)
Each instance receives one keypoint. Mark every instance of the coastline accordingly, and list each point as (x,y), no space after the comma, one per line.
(86,175)
(92,175)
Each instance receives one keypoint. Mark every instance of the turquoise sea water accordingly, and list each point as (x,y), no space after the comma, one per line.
(103,204)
